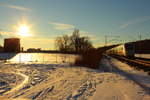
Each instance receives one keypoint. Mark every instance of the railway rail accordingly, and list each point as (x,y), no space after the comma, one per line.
(137,63)
(142,61)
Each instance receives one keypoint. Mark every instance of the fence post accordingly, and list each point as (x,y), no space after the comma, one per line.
(43,58)
(19,58)
(56,58)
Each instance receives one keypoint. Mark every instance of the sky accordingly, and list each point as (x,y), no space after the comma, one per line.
(120,20)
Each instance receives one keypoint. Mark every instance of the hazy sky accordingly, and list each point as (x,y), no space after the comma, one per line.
(51,18)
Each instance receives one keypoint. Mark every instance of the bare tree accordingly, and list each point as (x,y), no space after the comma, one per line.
(63,43)
(75,40)
(84,44)
(80,44)
(73,43)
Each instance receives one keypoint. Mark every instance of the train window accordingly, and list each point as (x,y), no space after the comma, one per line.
(129,46)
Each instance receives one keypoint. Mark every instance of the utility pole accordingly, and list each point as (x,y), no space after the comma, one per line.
(105,43)
(0,33)
(140,37)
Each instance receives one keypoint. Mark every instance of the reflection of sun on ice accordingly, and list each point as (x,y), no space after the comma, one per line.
(24,31)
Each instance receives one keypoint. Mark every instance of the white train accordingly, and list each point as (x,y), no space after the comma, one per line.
(126,49)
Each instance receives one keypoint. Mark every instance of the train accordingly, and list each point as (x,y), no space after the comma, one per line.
(126,49)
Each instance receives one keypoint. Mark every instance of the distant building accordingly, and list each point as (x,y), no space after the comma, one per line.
(12,45)
(34,50)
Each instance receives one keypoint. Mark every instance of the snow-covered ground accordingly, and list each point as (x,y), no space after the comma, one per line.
(61,81)
(65,82)
(143,55)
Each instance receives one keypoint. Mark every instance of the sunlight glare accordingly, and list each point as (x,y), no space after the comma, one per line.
(24,31)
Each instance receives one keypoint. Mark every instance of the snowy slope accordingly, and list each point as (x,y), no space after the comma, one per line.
(140,77)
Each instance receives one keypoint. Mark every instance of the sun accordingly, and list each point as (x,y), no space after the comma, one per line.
(24,31)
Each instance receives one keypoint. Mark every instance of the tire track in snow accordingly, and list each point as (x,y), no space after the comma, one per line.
(18,87)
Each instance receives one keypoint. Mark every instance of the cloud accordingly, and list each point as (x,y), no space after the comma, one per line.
(5,33)
(135,21)
(92,36)
(21,8)
(62,26)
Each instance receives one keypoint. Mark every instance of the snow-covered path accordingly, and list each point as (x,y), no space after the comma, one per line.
(111,91)
(139,77)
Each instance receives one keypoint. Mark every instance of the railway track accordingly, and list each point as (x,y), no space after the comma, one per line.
(138,63)
(143,61)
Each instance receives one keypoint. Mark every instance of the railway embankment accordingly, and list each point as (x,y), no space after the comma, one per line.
(139,64)
(115,66)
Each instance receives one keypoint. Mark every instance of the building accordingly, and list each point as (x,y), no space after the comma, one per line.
(12,45)
(1,49)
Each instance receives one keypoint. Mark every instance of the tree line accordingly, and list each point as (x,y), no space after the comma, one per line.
(73,43)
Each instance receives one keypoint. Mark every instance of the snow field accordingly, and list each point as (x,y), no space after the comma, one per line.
(64,82)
